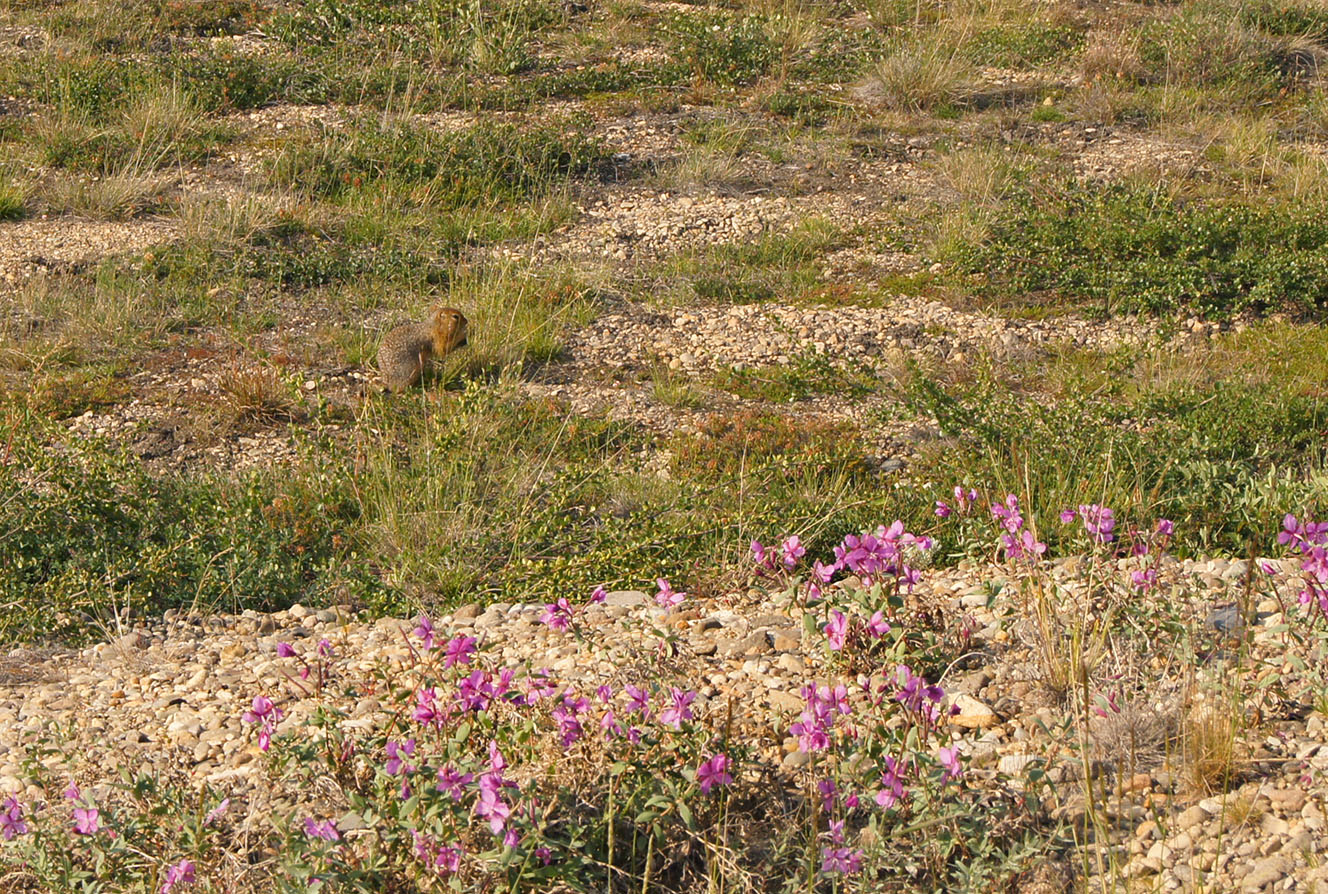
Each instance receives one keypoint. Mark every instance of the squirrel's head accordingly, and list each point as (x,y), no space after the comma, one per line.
(449,328)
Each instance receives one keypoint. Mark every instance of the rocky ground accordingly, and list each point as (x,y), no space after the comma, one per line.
(167,695)
(625,227)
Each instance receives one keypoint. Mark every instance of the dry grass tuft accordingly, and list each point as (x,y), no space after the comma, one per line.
(124,195)
(921,78)
(1212,746)
(256,393)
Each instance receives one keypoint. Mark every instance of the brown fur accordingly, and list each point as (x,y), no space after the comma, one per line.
(407,351)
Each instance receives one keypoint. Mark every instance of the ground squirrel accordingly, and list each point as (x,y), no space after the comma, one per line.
(408,350)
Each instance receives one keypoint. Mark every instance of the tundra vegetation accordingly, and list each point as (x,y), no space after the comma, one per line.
(1018,288)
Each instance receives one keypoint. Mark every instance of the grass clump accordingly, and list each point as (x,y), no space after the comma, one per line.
(13,200)
(1128,249)
(482,165)
(921,77)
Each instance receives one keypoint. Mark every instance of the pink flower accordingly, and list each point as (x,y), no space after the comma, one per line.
(713,772)
(949,758)
(792,550)
(557,615)
(459,650)
(72,792)
(325,830)
(424,631)
(598,596)
(836,630)
(217,812)
(452,782)
(679,710)
(397,755)
(87,820)
(759,554)
(841,861)
(1165,527)
(666,597)
(181,873)
(11,819)
(285,650)
(1144,580)
(942,510)
(266,715)
(638,700)
(892,788)
(878,626)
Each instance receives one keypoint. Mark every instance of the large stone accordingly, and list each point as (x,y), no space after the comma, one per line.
(627,598)
(972,713)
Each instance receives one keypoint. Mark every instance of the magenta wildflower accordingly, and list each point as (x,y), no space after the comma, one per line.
(397,755)
(1099,522)
(599,595)
(266,715)
(638,700)
(72,792)
(841,861)
(610,725)
(1144,580)
(949,758)
(713,772)
(260,711)
(828,790)
(1165,527)
(1067,516)
(892,787)
(325,830)
(452,782)
(544,855)
(964,499)
(491,806)
(459,650)
(817,719)
(1007,513)
(823,573)
(916,695)
(325,648)
(666,597)
(557,615)
(568,718)
(425,632)
(427,710)
(285,650)
(942,509)
(836,630)
(181,873)
(217,812)
(476,692)
(87,820)
(760,555)
(679,710)
(792,550)
(878,626)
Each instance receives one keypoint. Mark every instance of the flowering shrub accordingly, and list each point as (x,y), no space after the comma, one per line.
(481,774)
